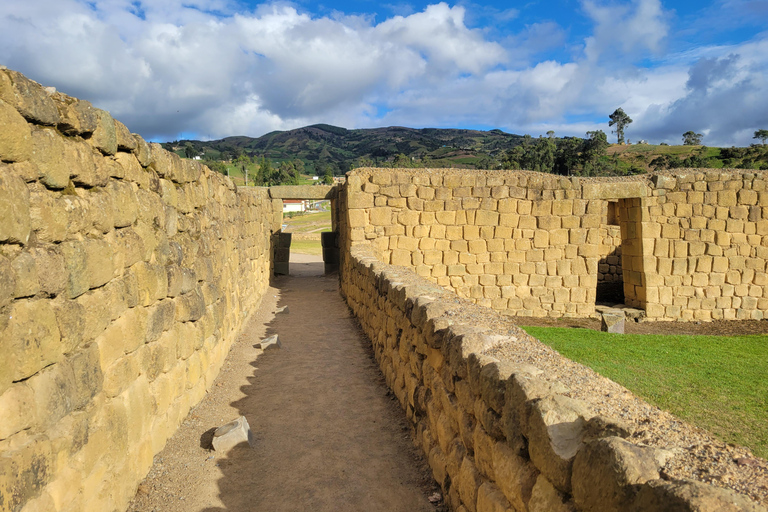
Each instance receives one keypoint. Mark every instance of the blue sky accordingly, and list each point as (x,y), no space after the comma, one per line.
(213,68)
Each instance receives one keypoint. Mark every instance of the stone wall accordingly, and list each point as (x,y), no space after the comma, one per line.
(125,276)
(502,436)
(690,245)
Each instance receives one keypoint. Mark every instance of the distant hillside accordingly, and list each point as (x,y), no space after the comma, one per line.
(323,148)
(322,145)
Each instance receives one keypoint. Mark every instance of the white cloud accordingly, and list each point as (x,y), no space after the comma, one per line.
(166,67)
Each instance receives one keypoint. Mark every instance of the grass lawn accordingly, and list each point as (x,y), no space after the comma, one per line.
(719,383)
(306,247)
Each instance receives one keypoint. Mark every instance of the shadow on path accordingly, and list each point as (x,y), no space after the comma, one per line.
(328,436)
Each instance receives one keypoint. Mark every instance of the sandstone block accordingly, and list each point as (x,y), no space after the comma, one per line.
(32,339)
(14,209)
(28,97)
(605,471)
(545,498)
(491,499)
(514,475)
(555,433)
(468,483)
(16,136)
(612,322)
(269,343)
(104,137)
(17,408)
(26,470)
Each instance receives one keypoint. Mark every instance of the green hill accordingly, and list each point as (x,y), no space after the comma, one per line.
(323,148)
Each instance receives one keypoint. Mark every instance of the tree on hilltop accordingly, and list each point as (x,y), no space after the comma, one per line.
(691,138)
(762,135)
(621,120)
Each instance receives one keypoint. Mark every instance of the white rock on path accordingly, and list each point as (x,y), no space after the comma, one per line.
(232,434)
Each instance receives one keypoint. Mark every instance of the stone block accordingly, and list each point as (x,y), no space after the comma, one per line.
(17,408)
(612,322)
(104,137)
(16,136)
(491,499)
(25,471)
(468,483)
(515,476)
(32,339)
(545,498)
(555,434)
(269,343)
(232,434)
(14,209)
(606,472)
(29,98)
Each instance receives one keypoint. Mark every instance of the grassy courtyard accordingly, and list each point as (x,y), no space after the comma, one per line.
(719,383)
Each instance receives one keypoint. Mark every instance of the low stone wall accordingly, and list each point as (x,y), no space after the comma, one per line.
(125,276)
(501,436)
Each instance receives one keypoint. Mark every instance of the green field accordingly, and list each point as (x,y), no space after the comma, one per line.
(719,383)
(306,247)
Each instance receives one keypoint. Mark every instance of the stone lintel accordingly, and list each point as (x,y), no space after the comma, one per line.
(302,192)
(614,190)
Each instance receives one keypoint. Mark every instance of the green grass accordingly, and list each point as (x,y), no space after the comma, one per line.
(309,222)
(306,247)
(719,383)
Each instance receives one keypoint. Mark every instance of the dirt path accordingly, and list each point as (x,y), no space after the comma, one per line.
(328,435)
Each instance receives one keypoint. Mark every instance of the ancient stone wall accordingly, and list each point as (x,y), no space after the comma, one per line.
(498,435)
(690,245)
(125,275)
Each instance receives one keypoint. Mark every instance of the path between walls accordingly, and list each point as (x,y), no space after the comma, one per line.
(328,435)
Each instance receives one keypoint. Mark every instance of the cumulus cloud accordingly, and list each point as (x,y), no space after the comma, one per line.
(210,69)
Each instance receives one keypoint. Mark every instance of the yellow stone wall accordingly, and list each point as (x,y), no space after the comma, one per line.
(689,245)
(125,275)
(501,435)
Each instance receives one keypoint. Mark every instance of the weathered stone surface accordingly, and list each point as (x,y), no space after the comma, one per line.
(605,471)
(125,140)
(303,192)
(515,476)
(50,155)
(76,264)
(14,209)
(143,152)
(51,269)
(17,408)
(25,276)
(468,483)
(689,496)
(104,137)
(25,471)
(555,433)
(545,498)
(232,434)
(269,343)
(32,339)
(614,190)
(28,97)
(491,499)
(15,137)
(612,322)
(76,117)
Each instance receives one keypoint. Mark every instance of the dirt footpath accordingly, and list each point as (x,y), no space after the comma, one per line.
(328,434)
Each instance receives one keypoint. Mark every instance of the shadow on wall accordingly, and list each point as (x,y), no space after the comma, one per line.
(610,282)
